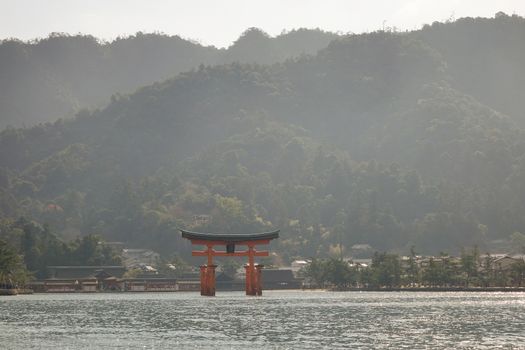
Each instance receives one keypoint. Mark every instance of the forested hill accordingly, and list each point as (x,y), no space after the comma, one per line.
(375,139)
(484,57)
(55,77)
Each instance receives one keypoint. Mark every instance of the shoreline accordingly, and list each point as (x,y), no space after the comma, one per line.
(14,291)
(432,289)
(328,290)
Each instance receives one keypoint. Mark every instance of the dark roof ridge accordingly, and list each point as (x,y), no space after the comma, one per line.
(230,237)
(86,266)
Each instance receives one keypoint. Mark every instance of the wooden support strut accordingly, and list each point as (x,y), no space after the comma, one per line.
(253,272)
(211,280)
(207,274)
(209,253)
(251,276)
(258,273)
(208,280)
(204,282)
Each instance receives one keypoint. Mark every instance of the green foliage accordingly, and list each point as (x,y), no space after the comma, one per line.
(518,273)
(518,242)
(230,267)
(41,248)
(384,271)
(483,58)
(91,251)
(256,46)
(383,139)
(12,269)
(469,264)
(55,76)
(331,272)
(390,271)
(439,272)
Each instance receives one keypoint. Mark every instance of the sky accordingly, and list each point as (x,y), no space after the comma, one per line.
(219,23)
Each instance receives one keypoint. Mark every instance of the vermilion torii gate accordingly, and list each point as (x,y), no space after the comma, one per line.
(230,241)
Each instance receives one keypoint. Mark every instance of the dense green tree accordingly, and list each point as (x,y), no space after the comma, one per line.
(469,264)
(38,247)
(91,251)
(413,272)
(518,273)
(12,270)
(385,271)
(439,272)
(333,273)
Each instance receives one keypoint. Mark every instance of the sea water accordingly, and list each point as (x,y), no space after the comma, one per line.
(277,320)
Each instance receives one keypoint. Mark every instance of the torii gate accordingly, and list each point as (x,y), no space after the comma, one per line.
(230,240)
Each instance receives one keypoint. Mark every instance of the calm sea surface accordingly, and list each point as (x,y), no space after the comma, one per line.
(278,320)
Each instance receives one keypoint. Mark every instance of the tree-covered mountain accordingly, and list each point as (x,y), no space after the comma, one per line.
(57,76)
(375,139)
(484,58)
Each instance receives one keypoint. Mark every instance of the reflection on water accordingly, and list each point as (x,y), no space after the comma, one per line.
(278,320)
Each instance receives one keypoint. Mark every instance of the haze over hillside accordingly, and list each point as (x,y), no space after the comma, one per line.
(55,77)
(387,139)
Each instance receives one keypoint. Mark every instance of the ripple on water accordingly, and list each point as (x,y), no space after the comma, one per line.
(279,320)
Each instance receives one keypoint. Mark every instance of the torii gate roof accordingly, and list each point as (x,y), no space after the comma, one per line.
(230,237)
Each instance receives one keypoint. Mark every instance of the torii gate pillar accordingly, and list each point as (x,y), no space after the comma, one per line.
(208,280)
(253,279)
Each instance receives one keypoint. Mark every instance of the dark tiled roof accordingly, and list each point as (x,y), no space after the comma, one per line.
(68,272)
(230,237)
